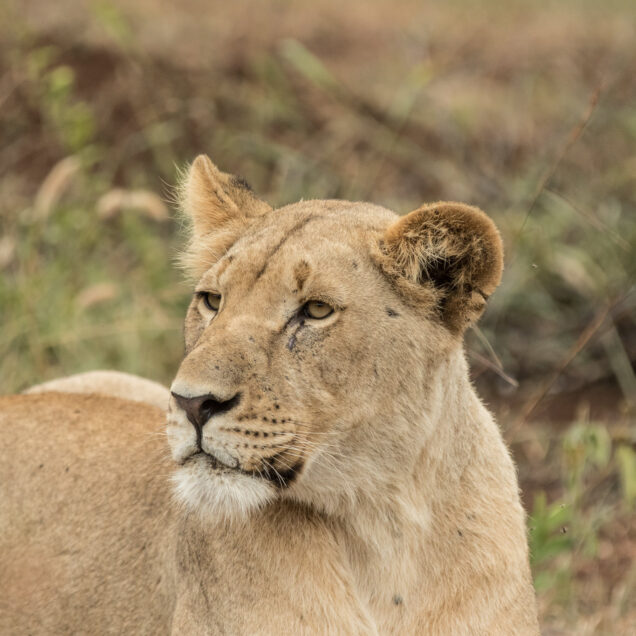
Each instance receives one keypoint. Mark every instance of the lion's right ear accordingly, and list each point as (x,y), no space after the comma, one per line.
(220,207)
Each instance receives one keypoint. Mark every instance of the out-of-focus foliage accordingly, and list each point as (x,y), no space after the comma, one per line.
(527,110)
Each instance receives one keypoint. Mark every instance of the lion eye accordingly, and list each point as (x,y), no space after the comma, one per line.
(317,309)
(211,301)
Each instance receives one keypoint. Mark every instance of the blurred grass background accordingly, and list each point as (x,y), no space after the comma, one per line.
(526,109)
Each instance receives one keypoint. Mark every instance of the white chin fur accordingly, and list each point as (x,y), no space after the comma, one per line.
(220,496)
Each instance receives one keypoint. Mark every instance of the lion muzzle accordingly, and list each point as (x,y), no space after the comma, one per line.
(199,409)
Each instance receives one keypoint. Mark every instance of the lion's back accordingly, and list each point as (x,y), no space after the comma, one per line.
(113,383)
(82,492)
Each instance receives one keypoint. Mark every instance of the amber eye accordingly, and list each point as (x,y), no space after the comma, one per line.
(211,301)
(317,309)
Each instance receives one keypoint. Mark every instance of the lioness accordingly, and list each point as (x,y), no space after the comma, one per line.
(332,470)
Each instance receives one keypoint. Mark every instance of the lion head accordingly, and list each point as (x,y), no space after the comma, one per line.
(311,339)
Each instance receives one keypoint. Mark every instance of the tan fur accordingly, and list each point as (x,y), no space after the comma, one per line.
(220,206)
(354,482)
(115,383)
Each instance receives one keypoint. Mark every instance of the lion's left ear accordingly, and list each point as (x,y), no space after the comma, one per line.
(450,251)
(220,207)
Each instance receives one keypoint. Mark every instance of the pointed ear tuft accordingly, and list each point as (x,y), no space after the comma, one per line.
(220,207)
(450,250)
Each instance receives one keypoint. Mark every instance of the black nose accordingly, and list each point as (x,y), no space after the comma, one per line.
(201,408)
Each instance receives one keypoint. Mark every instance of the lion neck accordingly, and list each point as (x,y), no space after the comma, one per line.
(385,528)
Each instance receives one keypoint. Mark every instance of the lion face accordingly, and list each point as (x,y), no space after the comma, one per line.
(309,340)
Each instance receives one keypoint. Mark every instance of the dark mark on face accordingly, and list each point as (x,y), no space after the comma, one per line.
(292,340)
(391,313)
(296,319)
(294,230)
(301,273)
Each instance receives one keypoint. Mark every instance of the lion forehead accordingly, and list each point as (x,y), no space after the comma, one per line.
(291,240)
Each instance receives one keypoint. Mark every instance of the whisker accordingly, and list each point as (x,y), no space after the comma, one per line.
(278,475)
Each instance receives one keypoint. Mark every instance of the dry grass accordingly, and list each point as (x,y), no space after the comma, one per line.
(525,109)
